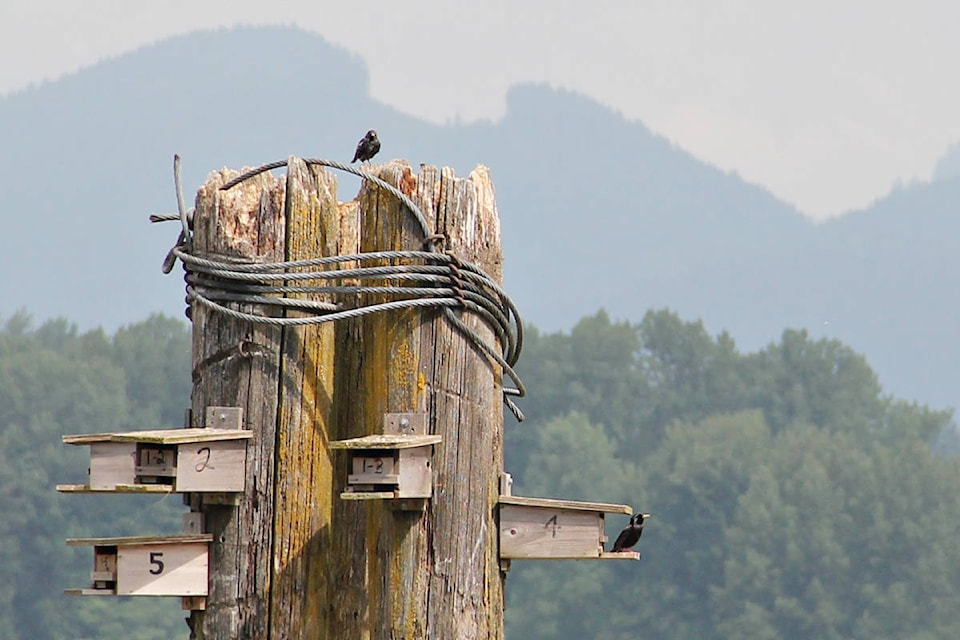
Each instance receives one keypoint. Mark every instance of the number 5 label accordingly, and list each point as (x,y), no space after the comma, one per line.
(156,562)
(163,570)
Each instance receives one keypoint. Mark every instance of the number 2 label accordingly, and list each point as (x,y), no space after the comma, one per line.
(205,463)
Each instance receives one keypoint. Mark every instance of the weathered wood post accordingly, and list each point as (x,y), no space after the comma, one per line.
(292,559)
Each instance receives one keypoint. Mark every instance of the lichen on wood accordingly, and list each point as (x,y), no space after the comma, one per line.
(294,559)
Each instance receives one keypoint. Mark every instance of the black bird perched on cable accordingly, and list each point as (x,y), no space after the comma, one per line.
(368,147)
(631,534)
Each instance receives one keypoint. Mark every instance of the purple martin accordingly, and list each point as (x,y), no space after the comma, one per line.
(368,147)
(631,534)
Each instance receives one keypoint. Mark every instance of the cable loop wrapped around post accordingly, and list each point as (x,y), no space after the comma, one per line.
(449,283)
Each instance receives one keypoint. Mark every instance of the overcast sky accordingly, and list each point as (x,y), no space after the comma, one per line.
(825,103)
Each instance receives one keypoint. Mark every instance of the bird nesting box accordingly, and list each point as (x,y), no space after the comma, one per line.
(388,466)
(147,566)
(397,464)
(546,529)
(203,460)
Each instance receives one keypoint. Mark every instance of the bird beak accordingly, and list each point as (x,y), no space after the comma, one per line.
(645,515)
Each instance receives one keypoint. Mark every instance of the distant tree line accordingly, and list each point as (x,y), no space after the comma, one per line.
(791,497)
(55,380)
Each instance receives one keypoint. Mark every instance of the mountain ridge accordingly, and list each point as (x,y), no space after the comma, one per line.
(597,211)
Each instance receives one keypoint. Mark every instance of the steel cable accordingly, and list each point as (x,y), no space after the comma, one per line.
(446,282)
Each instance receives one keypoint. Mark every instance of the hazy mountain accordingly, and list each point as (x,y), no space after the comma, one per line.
(949,165)
(885,279)
(597,210)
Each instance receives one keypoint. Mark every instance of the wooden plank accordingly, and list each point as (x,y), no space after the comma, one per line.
(105,562)
(368,495)
(387,441)
(154,461)
(211,466)
(192,523)
(103,576)
(120,488)
(167,570)
(90,592)
(416,473)
(150,472)
(75,488)
(143,488)
(347,613)
(373,478)
(178,436)
(223,418)
(303,513)
(606,555)
(405,424)
(236,363)
(465,596)
(535,532)
(87,438)
(139,540)
(112,463)
(160,436)
(363,463)
(391,354)
(620,555)
(550,503)
(218,497)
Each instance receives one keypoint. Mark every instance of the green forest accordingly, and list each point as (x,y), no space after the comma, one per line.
(791,496)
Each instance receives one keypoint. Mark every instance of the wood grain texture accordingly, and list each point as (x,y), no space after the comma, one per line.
(218,465)
(170,570)
(386,441)
(304,491)
(120,488)
(549,533)
(160,436)
(389,382)
(294,559)
(237,364)
(112,463)
(620,555)
(416,473)
(138,540)
(465,581)
(576,505)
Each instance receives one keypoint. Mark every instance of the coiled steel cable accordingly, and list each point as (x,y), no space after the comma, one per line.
(450,283)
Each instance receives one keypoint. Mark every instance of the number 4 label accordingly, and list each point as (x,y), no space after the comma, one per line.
(552,525)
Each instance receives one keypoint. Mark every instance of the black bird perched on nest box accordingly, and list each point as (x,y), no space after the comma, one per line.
(368,147)
(631,534)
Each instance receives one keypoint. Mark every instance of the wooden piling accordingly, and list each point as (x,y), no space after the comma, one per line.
(292,559)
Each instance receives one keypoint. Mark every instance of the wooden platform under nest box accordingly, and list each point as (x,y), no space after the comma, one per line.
(202,460)
(547,529)
(397,464)
(385,466)
(148,566)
